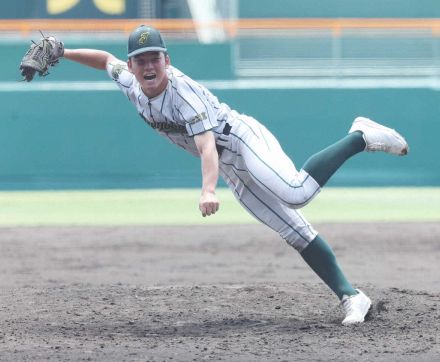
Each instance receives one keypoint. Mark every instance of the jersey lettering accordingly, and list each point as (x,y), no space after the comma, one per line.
(162,126)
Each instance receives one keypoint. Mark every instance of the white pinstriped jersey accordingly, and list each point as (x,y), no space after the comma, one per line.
(185,108)
(252,163)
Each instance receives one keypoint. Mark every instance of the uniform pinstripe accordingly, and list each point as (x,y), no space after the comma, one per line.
(252,162)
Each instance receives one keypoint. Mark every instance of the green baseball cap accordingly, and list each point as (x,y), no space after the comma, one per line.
(145,39)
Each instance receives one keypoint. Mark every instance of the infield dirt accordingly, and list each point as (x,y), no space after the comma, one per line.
(232,293)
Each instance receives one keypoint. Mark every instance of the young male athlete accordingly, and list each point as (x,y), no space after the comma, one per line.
(241,150)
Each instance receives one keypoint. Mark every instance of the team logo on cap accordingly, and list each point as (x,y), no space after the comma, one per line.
(144,37)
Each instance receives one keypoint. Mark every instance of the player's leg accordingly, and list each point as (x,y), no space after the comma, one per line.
(272,169)
(261,156)
(294,228)
(320,257)
(289,223)
(322,165)
(364,134)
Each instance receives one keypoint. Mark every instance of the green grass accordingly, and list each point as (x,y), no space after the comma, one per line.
(180,206)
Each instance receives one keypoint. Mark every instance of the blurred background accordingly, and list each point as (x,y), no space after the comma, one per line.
(304,68)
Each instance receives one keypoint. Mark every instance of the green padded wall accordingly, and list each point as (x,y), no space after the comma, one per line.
(95,139)
(339,9)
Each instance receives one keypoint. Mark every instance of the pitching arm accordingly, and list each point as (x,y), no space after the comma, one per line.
(205,142)
(94,58)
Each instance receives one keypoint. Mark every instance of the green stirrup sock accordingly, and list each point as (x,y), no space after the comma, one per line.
(320,257)
(322,165)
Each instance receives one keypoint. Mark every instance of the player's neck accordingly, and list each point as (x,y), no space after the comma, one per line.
(152,92)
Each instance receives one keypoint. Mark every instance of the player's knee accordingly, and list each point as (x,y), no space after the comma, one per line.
(303,192)
(300,198)
(301,238)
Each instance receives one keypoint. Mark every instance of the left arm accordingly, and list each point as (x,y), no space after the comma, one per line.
(205,142)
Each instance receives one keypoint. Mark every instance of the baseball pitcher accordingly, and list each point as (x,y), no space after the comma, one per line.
(237,147)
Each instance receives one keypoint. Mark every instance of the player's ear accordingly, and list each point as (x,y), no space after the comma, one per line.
(129,65)
(167,59)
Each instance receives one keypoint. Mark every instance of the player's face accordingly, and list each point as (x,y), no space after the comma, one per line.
(150,70)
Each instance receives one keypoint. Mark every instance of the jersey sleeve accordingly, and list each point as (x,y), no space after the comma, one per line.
(119,73)
(195,107)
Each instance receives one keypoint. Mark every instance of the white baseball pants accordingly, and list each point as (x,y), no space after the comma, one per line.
(265,181)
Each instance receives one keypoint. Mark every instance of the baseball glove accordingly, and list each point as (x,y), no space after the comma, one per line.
(40,57)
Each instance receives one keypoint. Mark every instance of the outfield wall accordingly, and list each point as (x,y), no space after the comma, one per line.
(89,138)
(339,9)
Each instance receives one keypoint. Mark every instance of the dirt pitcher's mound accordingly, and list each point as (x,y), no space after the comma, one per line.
(287,322)
(128,293)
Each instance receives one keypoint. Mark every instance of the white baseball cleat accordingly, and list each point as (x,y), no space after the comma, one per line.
(356,308)
(380,138)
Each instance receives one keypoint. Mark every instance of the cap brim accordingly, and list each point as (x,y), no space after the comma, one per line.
(147,49)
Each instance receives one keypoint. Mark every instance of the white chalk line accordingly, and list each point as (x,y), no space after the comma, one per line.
(236,84)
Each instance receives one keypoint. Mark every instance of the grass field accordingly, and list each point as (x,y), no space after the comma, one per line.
(179,207)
